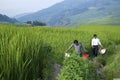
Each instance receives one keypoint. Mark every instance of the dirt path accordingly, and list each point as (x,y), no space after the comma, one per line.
(56,68)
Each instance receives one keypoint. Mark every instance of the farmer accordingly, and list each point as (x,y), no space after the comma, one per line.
(78,46)
(95,43)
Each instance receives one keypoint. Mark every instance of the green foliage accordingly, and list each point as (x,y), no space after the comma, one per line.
(112,69)
(100,60)
(26,52)
(36,23)
(23,56)
(29,22)
(77,68)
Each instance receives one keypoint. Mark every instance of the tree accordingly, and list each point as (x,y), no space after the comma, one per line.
(36,23)
(29,22)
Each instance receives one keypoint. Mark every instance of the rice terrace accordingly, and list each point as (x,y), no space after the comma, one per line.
(28,53)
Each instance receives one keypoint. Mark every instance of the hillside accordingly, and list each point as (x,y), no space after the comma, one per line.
(75,12)
(21,15)
(4,18)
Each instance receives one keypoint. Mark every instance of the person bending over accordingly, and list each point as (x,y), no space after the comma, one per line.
(78,46)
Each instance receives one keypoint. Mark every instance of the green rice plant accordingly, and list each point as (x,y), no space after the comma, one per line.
(23,56)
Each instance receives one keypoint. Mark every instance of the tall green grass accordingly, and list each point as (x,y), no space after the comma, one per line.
(23,56)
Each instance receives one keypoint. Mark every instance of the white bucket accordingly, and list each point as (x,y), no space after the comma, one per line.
(102,51)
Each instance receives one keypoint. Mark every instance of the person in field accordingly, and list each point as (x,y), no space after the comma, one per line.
(95,43)
(78,46)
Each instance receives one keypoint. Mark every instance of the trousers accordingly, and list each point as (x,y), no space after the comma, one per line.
(95,51)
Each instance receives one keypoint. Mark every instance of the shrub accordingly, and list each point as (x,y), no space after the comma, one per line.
(77,68)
